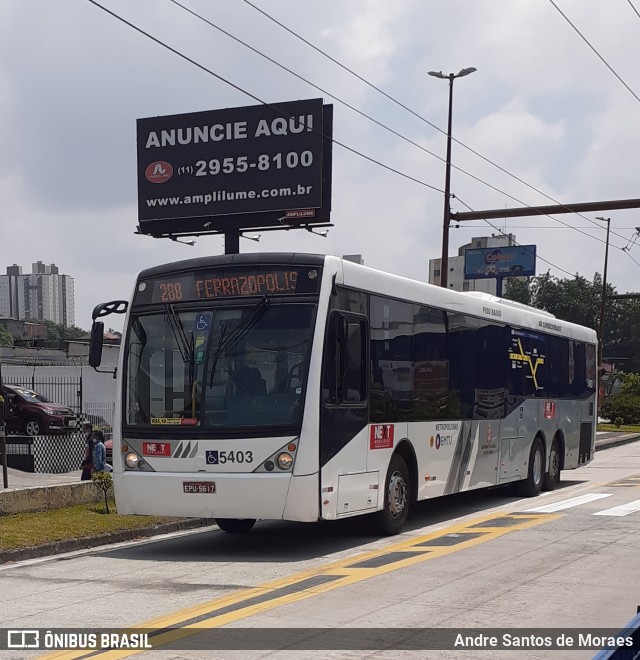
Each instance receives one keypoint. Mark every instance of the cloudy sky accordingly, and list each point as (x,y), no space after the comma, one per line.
(557,112)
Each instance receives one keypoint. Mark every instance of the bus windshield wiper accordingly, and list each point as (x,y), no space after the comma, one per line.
(185,345)
(227,342)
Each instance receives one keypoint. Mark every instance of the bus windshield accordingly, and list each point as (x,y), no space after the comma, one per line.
(220,368)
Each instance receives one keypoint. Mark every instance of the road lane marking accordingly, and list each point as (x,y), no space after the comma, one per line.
(319,580)
(568,504)
(622,510)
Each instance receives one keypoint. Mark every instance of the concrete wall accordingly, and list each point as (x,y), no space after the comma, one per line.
(28,500)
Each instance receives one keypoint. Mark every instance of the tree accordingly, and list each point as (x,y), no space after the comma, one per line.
(623,407)
(6,339)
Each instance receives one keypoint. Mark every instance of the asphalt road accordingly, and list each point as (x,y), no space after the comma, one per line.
(566,560)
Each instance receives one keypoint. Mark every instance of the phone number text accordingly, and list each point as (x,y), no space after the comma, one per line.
(241,164)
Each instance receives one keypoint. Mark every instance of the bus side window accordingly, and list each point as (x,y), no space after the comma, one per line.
(354,382)
(343,379)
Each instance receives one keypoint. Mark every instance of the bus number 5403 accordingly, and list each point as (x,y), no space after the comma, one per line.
(234,457)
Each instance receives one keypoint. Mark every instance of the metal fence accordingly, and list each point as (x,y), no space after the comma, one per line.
(51,454)
(62,452)
(66,390)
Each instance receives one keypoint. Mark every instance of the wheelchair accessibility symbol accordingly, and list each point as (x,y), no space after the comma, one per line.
(202,322)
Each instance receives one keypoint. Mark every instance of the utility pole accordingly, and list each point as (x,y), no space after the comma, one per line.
(603,297)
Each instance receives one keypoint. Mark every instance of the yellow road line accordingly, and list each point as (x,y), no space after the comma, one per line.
(344,570)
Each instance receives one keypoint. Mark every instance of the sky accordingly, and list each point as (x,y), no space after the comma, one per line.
(557,112)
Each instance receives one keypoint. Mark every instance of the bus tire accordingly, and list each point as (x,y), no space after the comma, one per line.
(552,477)
(532,485)
(235,525)
(392,518)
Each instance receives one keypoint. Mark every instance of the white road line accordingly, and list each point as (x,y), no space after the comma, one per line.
(567,504)
(622,510)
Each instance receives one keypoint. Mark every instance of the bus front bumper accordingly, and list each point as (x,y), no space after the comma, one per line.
(256,496)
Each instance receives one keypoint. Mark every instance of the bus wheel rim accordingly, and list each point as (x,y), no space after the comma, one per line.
(537,466)
(397,495)
(554,466)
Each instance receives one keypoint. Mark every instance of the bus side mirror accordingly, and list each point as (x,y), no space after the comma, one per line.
(95,345)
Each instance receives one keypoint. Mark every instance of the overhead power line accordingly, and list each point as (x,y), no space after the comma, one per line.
(353,108)
(254,97)
(421,118)
(344,146)
(634,9)
(613,71)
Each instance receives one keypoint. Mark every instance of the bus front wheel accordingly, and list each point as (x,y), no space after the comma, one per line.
(532,485)
(393,516)
(235,525)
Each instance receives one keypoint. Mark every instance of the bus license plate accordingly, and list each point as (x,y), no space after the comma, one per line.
(199,486)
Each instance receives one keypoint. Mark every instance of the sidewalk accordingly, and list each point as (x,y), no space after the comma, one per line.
(18,479)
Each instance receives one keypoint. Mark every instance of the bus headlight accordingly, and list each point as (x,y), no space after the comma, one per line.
(131,460)
(285,461)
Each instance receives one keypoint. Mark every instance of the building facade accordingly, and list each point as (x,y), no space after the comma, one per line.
(42,295)
(455,277)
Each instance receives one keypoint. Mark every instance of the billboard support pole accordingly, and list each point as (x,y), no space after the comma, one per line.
(499,286)
(232,241)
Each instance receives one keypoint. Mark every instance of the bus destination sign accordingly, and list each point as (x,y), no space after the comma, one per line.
(228,283)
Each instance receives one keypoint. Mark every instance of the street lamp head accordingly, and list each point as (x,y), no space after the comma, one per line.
(451,76)
(465,72)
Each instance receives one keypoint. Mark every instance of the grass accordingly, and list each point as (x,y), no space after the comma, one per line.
(24,530)
(625,428)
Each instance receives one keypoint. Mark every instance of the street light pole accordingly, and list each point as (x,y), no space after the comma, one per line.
(603,297)
(444,261)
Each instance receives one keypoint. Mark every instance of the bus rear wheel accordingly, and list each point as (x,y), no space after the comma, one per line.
(235,525)
(393,516)
(532,485)
(552,477)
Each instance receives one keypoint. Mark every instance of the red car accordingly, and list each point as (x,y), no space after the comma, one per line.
(31,413)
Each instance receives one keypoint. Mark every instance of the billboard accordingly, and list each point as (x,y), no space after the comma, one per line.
(237,168)
(511,261)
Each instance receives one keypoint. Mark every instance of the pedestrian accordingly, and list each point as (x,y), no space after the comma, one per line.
(99,452)
(87,459)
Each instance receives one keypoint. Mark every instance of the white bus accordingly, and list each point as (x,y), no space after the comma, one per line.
(304,387)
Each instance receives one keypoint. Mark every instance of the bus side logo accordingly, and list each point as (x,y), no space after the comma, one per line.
(549,409)
(381,436)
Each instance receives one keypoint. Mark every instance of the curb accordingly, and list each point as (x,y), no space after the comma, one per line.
(616,442)
(71,545)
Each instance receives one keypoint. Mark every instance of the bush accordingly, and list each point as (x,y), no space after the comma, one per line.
(621,407)
(104,482)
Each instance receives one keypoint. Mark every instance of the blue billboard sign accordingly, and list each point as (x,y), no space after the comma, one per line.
(511,261)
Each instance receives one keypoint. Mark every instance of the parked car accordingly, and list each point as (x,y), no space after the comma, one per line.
(108,445)
(31,413)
